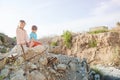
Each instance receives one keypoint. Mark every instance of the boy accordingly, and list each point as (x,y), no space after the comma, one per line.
(21,34)
(33,37)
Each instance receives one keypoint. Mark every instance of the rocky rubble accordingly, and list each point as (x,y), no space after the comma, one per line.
(47,66)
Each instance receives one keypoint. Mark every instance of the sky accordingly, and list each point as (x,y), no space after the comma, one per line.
(52,17)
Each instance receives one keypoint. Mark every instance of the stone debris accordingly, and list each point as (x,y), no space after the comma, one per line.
(46,67)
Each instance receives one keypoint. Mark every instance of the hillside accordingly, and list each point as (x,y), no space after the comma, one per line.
(101,48)
(6,43)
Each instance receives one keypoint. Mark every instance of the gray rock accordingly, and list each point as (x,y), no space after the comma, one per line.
(4,72)
(52,71)
(97,77)
(35,75)
(31,66)
(43,61)
(62,67)
(19,75)
(72,66)
(20,60)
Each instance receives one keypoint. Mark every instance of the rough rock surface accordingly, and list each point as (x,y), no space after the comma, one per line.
(110,73)
(46,66)
(92,47)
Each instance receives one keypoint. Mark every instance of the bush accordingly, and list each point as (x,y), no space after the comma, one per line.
(67,36)
(92,43)
(98,31)
(1,77)
(3,50)
(97,71)
(53,44)
(2,39)
(14,38)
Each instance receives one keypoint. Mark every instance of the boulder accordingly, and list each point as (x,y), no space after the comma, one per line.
(62,67)
(31,66)
(72,66)
(43,61)
(4,72)
(36,75)
(19,75)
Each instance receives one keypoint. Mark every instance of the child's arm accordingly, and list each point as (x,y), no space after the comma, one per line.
(26,37)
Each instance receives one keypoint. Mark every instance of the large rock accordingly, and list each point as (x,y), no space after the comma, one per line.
(62,67)
(19,75)
(4,72)
(43,60)
(31,65)
(72,66)
(35,75)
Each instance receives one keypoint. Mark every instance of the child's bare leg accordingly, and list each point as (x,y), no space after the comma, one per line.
(31,44)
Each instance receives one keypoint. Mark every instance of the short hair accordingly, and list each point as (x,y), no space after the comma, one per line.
(22,21)
(34,27)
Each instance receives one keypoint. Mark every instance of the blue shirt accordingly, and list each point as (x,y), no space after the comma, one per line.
(33,36)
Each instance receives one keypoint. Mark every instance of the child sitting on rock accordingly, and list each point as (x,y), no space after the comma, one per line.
(33,37)
(21,34)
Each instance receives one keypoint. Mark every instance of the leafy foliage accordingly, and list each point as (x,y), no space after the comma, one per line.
(1,77)
(14,38)
(67,36)
(3,50)
(97,71)
(2,39)
(98,31)
(53,44)
(92,43)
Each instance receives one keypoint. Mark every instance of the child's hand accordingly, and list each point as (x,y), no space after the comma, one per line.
(27,44)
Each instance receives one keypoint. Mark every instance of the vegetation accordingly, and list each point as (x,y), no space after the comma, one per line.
(92,43)
(3,50)
(14,38)
(97,71)
(67,36)
(97,31)
(2,39)
(1,77)
(53,44)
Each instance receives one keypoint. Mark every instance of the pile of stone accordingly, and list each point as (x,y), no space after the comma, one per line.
(48,66)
